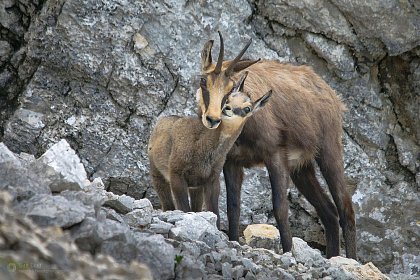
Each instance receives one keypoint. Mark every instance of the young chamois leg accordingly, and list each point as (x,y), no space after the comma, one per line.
(180,192)
(212,193)
(331,165)
(162,188)
(196,199)
(234,176)
(279,179)
(306,182)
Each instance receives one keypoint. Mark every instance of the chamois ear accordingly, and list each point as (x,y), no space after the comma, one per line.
(240,85)
(206,59)
(259,103)
(241,65)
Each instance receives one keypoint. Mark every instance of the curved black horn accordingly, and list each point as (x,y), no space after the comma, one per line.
(218,67)
(229,70)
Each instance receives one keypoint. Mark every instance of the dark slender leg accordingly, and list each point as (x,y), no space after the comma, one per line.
(305,180)
(279,179)
(212,193)
(330,162)
(162,188)
(180,192)
(196,198)
(234,175)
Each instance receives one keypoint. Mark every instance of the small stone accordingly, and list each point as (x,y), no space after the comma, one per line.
(138,217)
(262,236)
(160,227)
(120,203)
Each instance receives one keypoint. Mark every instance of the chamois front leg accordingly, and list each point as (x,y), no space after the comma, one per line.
(279,179)
(196,198)
(162,188)
(234,175)
(179,189)
(212,193)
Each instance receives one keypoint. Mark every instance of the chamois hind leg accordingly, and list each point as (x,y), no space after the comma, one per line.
(162,188)
(196,199)
(306,182)
(330,162)
(212,193)
(279,179)
(180,192)
(234,176)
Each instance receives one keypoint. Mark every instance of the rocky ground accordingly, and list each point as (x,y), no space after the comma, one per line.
(56,224)
(99,74)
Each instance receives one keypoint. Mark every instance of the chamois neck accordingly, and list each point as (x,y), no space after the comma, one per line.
(219,141)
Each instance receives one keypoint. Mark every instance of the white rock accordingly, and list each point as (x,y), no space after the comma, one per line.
(303,253)
(62,167)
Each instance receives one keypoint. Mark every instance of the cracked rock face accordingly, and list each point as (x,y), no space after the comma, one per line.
(99,74)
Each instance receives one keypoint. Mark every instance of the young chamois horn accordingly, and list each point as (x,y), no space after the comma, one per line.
(186,157)
(302,124)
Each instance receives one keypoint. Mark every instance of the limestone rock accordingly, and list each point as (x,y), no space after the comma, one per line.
(305,254)
(139,217)
(124,204)
(262,236)
(62,167)
(192,226)
(47,210)
(356,270)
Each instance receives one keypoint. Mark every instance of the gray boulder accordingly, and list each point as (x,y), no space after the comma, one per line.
(192,226)
(62,168)
(47,210)
(17,179)
(305,254)
(115,239)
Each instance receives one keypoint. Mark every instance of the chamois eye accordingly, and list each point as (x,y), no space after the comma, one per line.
(247,110)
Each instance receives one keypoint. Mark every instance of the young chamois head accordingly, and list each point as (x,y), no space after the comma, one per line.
(216,83)
(239,106)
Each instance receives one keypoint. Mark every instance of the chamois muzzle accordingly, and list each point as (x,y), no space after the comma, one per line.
(213,123)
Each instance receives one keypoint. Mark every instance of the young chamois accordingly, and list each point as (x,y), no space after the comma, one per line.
(302,124)
(186,157)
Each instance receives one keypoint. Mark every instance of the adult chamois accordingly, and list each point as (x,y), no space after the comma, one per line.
(302,124)
(186,157)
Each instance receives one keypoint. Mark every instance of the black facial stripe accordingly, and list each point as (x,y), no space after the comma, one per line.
(205,92)
(206,97)
(239,112)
